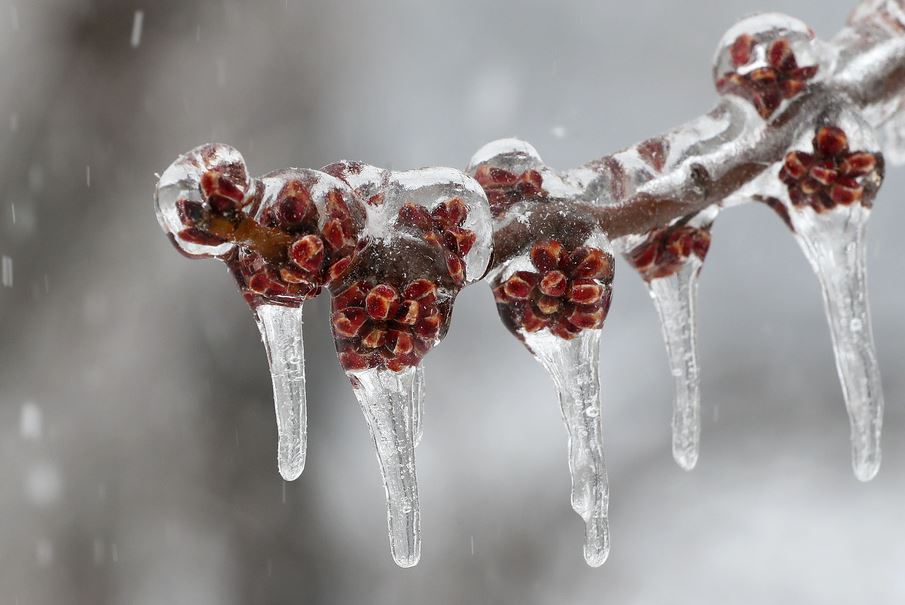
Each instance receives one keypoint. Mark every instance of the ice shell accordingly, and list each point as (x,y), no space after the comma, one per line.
(182,181)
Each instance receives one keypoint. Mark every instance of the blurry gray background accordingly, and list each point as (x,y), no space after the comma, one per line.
(137,437)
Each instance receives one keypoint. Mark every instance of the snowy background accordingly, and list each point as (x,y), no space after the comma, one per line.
(137,438)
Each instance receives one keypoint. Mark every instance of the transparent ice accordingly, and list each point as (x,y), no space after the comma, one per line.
(573,365)
(834,245)
(419,392)
(281,331)
(393,401)
(388,401)
(674,298)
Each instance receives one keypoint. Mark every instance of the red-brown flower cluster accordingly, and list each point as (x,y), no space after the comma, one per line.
(831,175)
(504,188)
(665,250)
(213,221)
(766,87)
(306,257)
(443,228)
(284,257)
(378,325)
(569,292)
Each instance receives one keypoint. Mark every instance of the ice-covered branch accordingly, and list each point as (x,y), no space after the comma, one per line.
(796,127)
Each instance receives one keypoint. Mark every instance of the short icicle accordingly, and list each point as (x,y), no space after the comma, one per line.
(281,331)
(834,244)
(388,401)
(573,365)
(674,297)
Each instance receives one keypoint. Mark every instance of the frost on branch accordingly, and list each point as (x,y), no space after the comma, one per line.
(796,128)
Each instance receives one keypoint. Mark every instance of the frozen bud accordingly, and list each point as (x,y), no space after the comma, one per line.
(199,199)
(767,59)
(347,322)
(545,255)
(587,318)
(382,302)
(592,263)
(554,283)
(585,292)
(416,216)
(830,175)
(421,289)
(308,253)
(519,286)
(408,312)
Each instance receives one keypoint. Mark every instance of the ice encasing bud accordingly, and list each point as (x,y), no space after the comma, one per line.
(427,236)
(768,59)
(552,283)
(669,260)
(824,189)
(200,198)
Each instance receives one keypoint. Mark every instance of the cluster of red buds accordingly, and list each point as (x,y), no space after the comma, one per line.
(505,188)
(214,220)
(665,250)
(830,176)
(443,228)
(311,256)
(380,326)
(570,291)
(283,257)
(766,87)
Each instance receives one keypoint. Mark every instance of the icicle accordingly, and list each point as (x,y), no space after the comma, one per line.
(281,331)
(834,245)
(419,394)
(388,401)
(573,364)
(674,297)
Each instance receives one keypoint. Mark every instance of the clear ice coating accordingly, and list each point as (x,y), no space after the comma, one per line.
(670,260)
(419,390)
(826,185)
(427,236)
(395,248)
(553,289)
(834,245)
(388,401)
(281,331)
(674,298)
(573,365)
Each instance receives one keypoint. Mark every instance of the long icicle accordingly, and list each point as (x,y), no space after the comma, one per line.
(388,401)
(837,255)
(281,331)
(674,298)
(573,365)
